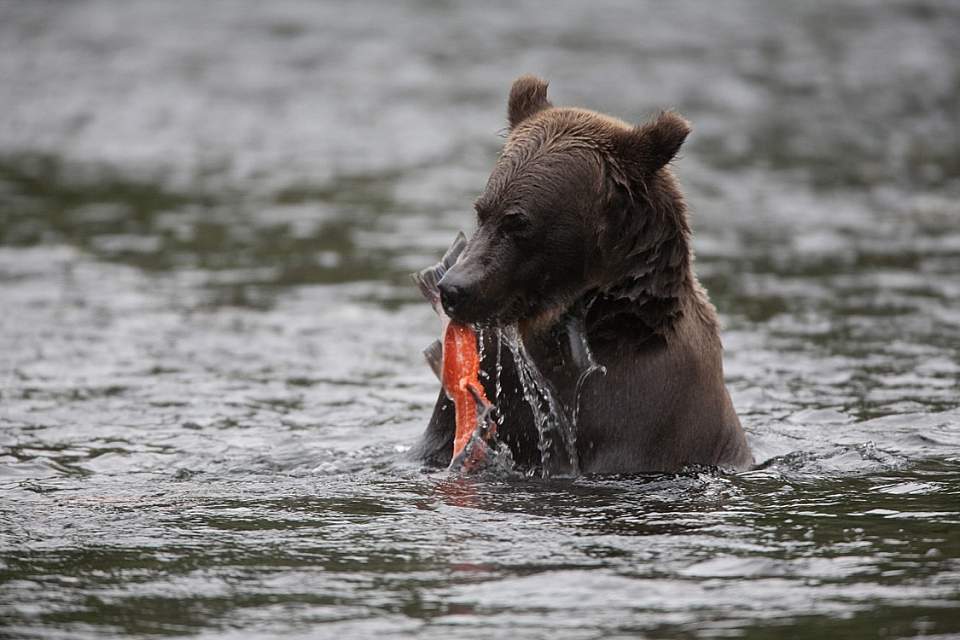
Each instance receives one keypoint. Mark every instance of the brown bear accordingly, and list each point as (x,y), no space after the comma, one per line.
(582,224)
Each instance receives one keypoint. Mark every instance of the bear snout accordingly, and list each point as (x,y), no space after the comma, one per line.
(453,294)
(466,297)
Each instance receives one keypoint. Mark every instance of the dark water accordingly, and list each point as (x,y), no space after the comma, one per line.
(211,363)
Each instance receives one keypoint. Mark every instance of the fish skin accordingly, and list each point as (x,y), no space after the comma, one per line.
(428,280)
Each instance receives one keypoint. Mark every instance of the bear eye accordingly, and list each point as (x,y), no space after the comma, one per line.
(515,220)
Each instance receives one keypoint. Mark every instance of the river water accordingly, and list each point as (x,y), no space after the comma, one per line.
(211,365)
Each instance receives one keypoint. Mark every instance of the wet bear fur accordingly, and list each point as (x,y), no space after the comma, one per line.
(583,218)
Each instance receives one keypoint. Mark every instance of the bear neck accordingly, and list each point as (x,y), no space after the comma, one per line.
(652,260)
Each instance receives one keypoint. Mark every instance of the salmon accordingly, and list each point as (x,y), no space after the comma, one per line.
(455,359)
(461,380)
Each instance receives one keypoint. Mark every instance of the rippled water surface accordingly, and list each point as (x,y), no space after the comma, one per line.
(211,366)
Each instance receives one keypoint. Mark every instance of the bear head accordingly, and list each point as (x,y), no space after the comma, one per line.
(577,201)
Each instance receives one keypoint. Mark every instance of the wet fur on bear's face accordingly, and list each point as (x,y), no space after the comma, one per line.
(554,217)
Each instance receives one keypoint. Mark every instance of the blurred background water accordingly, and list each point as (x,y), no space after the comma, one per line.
(211,364)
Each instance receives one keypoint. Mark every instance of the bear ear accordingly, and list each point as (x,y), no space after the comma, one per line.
(650,146)
(528,95)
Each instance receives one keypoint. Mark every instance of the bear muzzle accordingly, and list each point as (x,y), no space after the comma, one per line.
(452,295)
(465,298)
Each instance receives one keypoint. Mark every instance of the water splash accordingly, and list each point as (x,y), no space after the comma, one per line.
(582,357)
(482,352)
(498,377)
(556,432)
(556,423)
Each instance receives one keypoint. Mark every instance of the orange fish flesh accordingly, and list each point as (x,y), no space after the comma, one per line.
(461,381)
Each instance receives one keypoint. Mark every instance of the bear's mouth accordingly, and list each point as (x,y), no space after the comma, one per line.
(519,310)
(507,314)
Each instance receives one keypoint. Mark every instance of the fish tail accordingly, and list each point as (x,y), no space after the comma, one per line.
(428,279)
